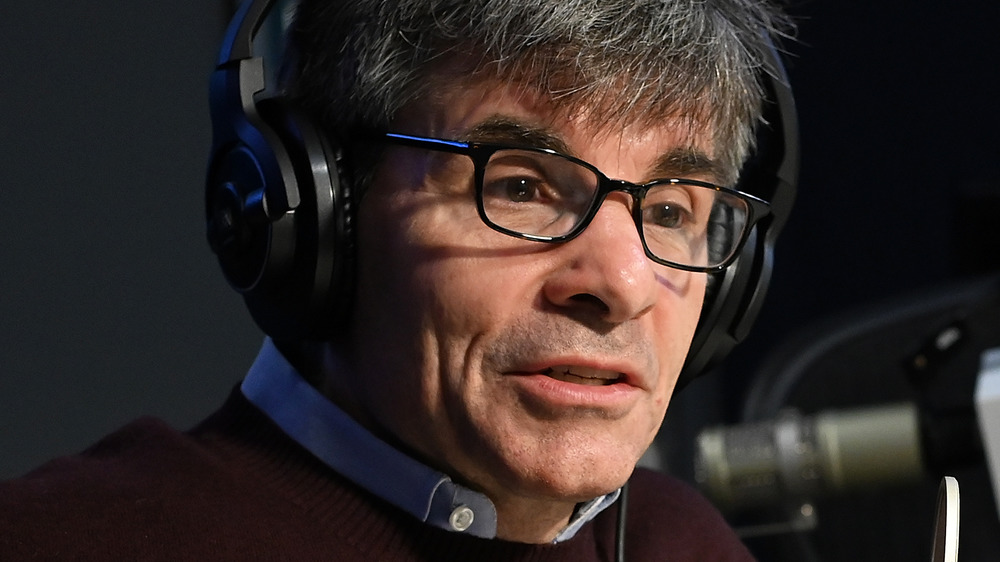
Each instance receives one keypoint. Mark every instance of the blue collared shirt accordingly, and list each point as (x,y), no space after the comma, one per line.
(316,423)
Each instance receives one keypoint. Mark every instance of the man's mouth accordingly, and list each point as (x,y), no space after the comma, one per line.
(582,375)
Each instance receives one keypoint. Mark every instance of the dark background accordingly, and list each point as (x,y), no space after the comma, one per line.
(111,305)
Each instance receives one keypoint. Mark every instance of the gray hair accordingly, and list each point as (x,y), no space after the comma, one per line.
(359,61)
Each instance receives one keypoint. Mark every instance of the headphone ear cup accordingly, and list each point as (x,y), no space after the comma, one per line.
(310,299)
(278,204)
(240,232)
(250,184)
(732,299)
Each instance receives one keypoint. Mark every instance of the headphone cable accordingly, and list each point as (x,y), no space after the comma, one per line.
(620,528)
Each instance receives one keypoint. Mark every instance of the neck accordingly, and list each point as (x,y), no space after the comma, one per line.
(531,521)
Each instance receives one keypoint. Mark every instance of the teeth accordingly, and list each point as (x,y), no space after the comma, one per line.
(582,375)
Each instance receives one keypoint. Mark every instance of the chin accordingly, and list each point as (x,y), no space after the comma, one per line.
(576,475)
(578,488)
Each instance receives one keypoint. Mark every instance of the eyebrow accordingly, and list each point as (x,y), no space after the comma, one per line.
(499,129)
(684,162)
(679,162)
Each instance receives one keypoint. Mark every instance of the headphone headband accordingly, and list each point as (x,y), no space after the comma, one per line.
(246,22)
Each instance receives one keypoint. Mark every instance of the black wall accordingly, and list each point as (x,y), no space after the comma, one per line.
(900,182)
(111,305)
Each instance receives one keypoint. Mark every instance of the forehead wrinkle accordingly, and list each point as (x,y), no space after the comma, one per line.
(595,115)
(687,160)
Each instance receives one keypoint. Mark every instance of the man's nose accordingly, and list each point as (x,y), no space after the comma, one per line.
(605,268)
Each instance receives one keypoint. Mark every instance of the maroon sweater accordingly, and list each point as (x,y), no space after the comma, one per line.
(236,488)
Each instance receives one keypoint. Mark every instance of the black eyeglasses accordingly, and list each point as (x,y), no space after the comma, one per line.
(540,194)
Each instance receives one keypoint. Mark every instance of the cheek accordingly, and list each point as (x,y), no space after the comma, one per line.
(469,279)
(469,297)
(434,281)
(677,319)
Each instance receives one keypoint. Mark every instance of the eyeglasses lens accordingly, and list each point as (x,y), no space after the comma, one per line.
(547,195)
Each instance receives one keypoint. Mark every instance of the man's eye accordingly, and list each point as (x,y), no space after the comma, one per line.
(666,215)
(516,189)
(520,190)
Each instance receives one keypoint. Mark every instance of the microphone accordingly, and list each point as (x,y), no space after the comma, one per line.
(805,457)
(946,521)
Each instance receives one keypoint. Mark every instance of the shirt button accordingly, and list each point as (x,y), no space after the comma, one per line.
(461,519)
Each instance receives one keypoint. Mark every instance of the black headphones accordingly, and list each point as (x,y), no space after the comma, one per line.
(279,208)
(277,198)
(735,295)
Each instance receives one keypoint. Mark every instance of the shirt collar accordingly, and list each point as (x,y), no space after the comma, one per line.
(316,423)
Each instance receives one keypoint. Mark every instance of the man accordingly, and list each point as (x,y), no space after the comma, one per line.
(533,202)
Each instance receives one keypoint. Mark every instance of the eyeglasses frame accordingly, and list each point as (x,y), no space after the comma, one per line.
(481,152)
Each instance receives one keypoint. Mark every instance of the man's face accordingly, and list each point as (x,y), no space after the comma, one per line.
(523,369)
